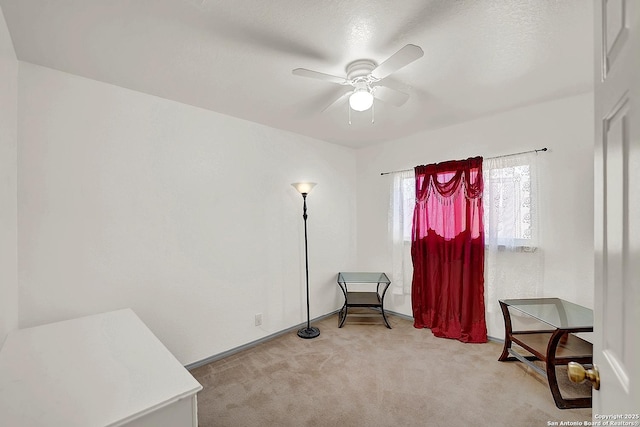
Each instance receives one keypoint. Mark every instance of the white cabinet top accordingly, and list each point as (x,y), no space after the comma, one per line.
(102,370)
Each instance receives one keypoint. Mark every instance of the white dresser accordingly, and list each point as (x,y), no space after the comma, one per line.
(102,370)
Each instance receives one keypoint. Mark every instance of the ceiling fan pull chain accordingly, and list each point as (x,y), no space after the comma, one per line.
(349,108)
(373,113)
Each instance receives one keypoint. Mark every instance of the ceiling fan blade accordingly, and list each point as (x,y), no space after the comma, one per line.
(339,100)
(220,20)
(303,72)
(401,58)
(390,96)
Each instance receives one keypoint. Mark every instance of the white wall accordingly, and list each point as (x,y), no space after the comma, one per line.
(8,178)
(185,215)
(565,126)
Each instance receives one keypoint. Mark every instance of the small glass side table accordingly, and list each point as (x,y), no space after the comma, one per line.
(371,299)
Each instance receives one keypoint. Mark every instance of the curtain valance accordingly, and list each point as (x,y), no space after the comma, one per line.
(447,178)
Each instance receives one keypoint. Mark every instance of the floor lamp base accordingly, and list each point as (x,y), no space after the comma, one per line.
(310,332)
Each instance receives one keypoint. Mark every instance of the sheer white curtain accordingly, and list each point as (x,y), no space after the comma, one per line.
(514,261)
(402,196)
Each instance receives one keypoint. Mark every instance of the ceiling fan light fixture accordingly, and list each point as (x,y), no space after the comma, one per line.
(361,99)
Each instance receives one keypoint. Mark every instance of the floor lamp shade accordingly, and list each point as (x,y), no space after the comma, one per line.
(304,188)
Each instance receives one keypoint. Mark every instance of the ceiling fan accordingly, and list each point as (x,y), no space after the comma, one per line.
(364,75)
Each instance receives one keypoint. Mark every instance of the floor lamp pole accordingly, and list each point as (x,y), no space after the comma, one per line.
(309,331)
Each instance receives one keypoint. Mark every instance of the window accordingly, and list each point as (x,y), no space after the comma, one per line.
(508,205)
(408,200)
(510,202)
(401,203)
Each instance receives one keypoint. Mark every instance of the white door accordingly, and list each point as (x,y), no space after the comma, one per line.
(617,209)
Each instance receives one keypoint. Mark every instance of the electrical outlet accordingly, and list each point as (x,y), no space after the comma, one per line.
(258,319)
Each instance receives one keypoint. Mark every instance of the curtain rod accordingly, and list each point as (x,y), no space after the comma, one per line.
(496,157)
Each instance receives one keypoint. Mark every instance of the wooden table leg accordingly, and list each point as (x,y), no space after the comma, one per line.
(507,332)
(562,403)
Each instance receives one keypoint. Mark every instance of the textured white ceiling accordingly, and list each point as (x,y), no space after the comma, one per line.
(235,57)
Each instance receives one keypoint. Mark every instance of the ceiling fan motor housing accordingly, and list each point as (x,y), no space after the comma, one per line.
(360,68)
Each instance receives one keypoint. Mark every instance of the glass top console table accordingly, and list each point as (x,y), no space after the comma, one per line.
(368,299)
(555,344)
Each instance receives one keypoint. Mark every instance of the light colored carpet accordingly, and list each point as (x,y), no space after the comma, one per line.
(367,375)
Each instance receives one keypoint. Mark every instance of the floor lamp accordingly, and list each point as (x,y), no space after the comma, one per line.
(304,188)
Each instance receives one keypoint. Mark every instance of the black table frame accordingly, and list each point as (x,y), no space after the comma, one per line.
(372,299)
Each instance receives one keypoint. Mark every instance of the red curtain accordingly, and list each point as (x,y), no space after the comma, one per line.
(447,249)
